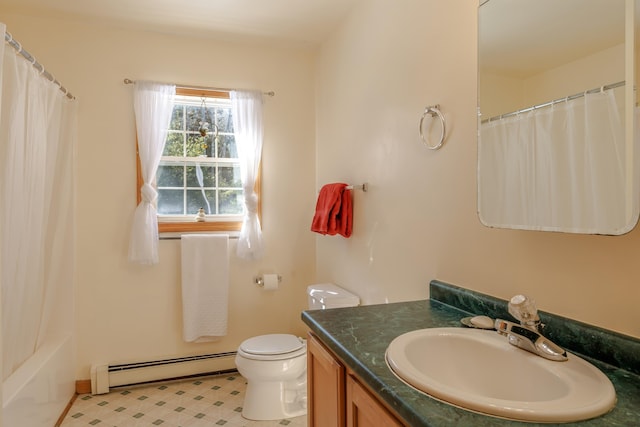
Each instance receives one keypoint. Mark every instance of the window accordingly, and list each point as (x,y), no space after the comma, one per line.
(199,167)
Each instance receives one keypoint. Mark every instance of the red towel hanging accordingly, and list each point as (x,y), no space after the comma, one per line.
(334,212)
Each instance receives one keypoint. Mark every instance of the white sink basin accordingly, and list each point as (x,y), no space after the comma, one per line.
(480,371)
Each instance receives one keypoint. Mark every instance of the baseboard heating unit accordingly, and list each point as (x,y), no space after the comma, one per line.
(105,376)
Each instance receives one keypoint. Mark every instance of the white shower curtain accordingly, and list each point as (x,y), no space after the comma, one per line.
(37,144)
(153,104)
(558,168)
(247,124)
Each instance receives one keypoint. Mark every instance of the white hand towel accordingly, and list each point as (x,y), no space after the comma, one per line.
(205,286)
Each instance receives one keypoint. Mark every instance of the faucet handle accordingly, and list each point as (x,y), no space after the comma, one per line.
(524,309)
(526,338)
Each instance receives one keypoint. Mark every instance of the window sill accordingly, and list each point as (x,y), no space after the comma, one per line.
(198,227)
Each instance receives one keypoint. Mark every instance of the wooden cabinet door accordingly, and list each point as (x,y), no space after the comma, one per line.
(326,386)
(363,410)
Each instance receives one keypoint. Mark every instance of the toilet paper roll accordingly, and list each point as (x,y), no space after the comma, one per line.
(270,282)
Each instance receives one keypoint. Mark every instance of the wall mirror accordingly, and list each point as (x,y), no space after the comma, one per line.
(556,108)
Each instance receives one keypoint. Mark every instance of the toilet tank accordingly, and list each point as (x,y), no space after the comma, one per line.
(328,295)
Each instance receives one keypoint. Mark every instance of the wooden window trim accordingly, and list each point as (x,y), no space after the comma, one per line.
(207,226)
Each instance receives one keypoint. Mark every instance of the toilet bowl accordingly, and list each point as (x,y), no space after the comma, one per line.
(275,365)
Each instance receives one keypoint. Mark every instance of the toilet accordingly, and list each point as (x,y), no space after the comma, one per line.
(275,365)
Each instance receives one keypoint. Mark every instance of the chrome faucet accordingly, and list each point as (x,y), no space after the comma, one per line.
(527,334)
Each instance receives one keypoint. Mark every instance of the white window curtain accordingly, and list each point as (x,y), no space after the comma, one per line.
(37,144)
(247,123)
(558,168)
(153,104)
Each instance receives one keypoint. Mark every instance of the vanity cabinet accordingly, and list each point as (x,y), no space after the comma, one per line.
(364,410)
(326,386)
(335,396)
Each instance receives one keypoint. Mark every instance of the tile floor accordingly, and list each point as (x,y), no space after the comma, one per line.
(196,402)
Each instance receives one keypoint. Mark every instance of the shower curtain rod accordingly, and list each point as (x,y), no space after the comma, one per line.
(556,101)
(269,93)
(18,48)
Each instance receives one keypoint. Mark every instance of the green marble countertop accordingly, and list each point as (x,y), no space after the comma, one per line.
(359,336)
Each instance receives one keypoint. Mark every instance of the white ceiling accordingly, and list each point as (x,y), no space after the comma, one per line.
(303,22)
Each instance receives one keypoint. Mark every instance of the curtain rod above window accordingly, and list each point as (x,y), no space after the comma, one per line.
(269,93)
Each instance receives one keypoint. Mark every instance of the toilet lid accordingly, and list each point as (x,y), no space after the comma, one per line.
(272,344)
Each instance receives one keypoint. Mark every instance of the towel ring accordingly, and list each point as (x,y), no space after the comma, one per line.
(433,111)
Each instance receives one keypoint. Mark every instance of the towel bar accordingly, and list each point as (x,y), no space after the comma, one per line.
(364,187)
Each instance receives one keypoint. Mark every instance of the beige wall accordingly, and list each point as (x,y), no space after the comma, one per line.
(126,311)
(501,94)
(419,220)
(602,68)
(506,94)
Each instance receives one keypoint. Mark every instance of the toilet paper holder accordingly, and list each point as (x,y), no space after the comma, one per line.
(260,280)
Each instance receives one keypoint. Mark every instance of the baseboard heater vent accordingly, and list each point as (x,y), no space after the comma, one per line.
(105,376)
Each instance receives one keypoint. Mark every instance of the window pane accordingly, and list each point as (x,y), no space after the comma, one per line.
(174,144)
(223,120)
(229,176)
(193,117)
(230,202)
(227,147)
(196,115)
(195,201)
(197,145)
(208,145)
(208,176)
(177,118)
(170,176)
(170,202)
(209,115)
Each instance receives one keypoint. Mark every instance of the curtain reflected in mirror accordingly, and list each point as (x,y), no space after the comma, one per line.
(556,150)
